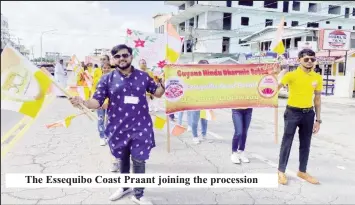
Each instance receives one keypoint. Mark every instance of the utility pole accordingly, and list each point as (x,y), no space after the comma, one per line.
(96,52)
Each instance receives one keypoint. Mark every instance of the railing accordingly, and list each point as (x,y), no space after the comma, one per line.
(328,87)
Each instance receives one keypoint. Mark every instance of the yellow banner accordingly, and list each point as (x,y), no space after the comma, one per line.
(201,86)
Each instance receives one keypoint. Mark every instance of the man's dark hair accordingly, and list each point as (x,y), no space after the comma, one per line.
(306,52)
(108,57)
(203,62)
(96,66)
(120,47)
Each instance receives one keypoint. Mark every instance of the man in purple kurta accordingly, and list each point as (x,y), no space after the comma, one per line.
(129,125)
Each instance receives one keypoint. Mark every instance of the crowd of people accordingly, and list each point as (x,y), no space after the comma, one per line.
(124,98)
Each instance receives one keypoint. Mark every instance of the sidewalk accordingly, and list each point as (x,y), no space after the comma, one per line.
(338,100)
(76,150)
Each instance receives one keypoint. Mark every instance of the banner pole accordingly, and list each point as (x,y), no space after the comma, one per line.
(276,119)
(168,133)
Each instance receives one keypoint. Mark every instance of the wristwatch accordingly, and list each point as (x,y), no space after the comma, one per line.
(319,121)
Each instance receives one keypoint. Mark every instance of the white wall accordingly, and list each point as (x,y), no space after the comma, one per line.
(344,85)
(215,20)
(209,44)
(202,21)
(214,3)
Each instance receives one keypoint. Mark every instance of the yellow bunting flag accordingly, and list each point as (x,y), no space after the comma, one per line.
(63,123)
(23,85)
(82,91)
(159,122)
(173,45)
(277,45)
(178,130)
(207,114)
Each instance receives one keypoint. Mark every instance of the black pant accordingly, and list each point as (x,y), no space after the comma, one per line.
(138,168)
(304,120)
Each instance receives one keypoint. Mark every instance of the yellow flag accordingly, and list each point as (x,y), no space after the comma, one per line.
(159,122)
(207,114)
(23,85)
(277,45)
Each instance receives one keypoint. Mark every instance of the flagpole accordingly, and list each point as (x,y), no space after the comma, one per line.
(168,133)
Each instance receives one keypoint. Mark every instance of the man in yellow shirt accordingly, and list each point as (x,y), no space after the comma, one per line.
(303,83)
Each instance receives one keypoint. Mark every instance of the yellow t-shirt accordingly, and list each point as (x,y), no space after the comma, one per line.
(96,78)
(301,87)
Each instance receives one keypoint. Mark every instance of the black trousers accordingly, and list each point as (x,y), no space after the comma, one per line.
(304,120)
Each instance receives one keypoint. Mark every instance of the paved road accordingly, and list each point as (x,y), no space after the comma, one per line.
(77,150)
(8,120)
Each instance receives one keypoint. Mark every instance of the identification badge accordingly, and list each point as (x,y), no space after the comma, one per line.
(131,100)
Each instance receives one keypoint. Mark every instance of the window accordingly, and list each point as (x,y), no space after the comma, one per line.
(197,17)
(245,3)
(298,39)
(296,6)
(339,27)
(311,38)
(285,23)
(354,28)
(227,21)
(225,44)
(347,11)
(353,12)
(191,22)
(162,29)
(327,22)
(270,4)
(341,67)
(287,42)
(334,9)
(312,7)
(285,9)
(182,7)
(265,46)
(268,22)
(229,3)
(294,23)
(245,21)
(312,25)
(182,26)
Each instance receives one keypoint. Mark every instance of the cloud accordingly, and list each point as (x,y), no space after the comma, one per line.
(81,26)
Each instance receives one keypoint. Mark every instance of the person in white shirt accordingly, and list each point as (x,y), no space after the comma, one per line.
(60,73)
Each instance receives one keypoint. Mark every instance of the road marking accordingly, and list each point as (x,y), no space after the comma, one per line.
(18,136)
(12,130)
(261,158)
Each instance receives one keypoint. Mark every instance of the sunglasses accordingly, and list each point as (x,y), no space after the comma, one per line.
(309,59)
(125,55)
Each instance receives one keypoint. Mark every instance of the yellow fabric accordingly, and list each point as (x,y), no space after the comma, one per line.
(80,80)
(90,70)
(96,78)
(301,87)
(32,108)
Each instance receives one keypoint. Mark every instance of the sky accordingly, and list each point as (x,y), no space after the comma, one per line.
(80,26)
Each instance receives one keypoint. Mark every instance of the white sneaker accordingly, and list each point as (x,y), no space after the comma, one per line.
(235,158)
(243,158)
(189,129)
(102,142)
(142,200)
(115,167)
(119,194)
(196,140)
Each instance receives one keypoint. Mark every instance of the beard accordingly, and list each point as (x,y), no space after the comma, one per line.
(125,67)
